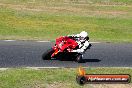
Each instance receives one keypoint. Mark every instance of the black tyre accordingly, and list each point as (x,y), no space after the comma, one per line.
(47,54)
(79,58)
(81,80)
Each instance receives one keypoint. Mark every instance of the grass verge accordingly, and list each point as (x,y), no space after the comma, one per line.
(105,20)
(51,78)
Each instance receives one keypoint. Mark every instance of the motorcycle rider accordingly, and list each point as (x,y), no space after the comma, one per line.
(83,41)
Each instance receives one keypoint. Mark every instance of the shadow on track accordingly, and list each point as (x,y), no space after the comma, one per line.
(91,60)
(84,60)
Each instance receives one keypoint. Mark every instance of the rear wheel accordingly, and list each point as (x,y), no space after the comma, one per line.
(79,58)
(47,54)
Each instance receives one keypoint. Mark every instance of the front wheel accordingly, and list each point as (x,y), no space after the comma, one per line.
(47,54)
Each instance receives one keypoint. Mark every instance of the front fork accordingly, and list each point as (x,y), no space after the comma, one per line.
(56,52)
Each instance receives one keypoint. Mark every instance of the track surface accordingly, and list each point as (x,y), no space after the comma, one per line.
(28,54)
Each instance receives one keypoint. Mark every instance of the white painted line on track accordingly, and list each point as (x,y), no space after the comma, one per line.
(36,68)
(94,42)
(39,68)
(9,40)
(43,67)
(43,41)
(2,69)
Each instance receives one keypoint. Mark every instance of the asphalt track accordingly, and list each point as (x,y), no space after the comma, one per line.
(28,54)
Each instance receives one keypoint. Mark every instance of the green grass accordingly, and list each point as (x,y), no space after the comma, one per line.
(64,78)
(104,20)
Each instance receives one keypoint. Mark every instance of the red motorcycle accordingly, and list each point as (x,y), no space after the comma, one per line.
(62,50)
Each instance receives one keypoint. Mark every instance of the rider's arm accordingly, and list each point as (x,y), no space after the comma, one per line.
(83,48)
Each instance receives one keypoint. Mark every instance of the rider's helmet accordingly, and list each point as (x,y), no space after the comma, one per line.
(83,34)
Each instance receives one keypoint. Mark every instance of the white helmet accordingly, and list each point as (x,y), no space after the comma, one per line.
(83,34)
